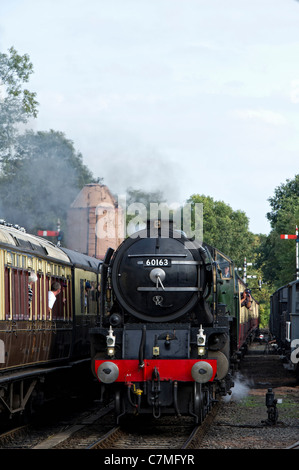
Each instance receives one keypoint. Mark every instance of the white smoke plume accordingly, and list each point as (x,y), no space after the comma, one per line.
(240,390)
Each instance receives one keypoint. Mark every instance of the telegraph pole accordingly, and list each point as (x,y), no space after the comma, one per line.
(245,275)
(52,233)
(294,237)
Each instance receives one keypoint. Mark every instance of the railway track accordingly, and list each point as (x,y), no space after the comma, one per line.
(96,432)
(166,433)
(237,423)
(294,446)
(51,436)
(118,438)
(12,435)
(154,437)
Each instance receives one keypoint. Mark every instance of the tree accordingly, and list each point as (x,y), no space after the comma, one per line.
(17,104)
(228,231)
(225,228)
(284,202)
(38,185)
(277,256)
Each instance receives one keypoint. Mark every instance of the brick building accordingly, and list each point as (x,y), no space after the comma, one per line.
(94,222)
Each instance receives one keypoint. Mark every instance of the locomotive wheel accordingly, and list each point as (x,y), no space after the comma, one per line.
(118,402)
(198,401)
(207,402)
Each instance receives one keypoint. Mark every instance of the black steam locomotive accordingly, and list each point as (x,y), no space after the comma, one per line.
(171,324)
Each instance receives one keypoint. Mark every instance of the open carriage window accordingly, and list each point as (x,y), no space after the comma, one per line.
(224,265)
(88,296)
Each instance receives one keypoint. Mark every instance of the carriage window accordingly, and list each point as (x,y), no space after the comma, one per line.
(88,296)
(225,266)
(60,310)
(32,280)
(19,294)
(284,294)
(7,293)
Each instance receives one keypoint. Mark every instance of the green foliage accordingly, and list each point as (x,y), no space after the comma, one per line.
(41,173)
(284,204)
(38,185)
(225,228)
(17,104)
(228,231)
(278,256)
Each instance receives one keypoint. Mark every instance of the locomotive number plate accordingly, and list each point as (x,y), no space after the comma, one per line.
(152,262)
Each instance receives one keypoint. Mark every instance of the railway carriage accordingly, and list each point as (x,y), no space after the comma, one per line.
(171,326)
(284,323)
(34,340)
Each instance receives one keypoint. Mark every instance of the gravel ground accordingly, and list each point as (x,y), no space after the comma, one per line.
(241,422)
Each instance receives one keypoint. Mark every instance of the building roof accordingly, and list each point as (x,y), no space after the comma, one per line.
(91,195)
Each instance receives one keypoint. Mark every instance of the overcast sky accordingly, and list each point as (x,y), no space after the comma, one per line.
(185,96)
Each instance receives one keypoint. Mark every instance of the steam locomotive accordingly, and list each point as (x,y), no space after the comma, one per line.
(284,324)
(36,343)
(172,325)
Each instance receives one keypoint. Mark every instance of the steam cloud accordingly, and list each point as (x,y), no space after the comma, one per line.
(240,390)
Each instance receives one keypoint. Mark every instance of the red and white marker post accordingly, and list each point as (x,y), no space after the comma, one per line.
(294,237)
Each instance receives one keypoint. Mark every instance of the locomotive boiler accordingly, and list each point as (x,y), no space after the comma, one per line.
(171,324)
